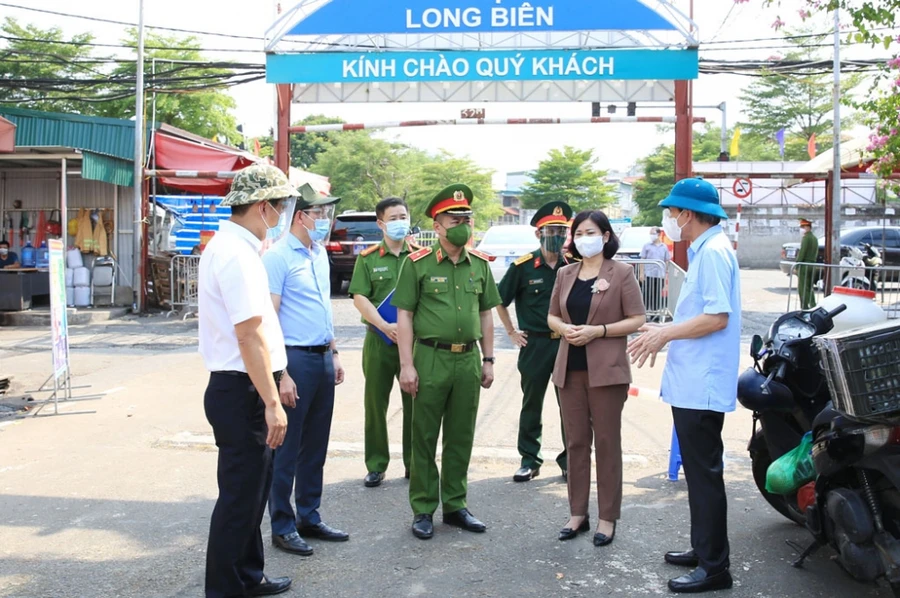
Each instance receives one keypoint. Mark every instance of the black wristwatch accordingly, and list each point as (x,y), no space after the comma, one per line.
(334,351)
(488,359)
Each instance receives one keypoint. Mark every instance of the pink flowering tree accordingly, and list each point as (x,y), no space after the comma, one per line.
(871,22)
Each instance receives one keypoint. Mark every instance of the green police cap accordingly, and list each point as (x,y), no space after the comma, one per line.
(455,199)
(309,198)
(258,182)
(553,213)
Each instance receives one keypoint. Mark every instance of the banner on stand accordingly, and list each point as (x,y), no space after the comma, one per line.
(58,320)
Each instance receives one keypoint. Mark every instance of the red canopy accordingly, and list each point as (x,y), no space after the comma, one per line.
(178,153)
(7,136)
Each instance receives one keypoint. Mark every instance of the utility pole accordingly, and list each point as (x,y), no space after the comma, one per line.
(137,220)
(836,174)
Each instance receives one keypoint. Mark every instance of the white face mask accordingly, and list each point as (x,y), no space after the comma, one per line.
(670,226)
(654,238)
(590,246)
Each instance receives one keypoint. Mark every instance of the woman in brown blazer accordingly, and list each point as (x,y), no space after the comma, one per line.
(595,305)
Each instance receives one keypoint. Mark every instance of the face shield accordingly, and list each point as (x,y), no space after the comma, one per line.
(285,207)
(317,220)
(553,237)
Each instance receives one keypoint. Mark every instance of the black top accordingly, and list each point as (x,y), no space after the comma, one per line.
(579,305)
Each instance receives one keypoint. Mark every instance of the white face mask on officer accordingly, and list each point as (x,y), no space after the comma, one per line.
(671,226)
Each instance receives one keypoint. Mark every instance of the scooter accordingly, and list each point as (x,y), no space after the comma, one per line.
(853,273)
(854,503)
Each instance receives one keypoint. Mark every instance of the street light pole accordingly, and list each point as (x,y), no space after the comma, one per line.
(137,221)
(836,173)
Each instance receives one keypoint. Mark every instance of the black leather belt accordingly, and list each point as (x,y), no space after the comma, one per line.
(236,374)
(550,335)
(313,349)
(452,347)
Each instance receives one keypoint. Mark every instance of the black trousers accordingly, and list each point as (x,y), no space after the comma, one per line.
(700,437)
(234,557)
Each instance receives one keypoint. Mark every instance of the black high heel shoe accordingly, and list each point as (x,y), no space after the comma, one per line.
(603,539)
(567,533)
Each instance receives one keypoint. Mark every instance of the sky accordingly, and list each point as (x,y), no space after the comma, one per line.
(499,148)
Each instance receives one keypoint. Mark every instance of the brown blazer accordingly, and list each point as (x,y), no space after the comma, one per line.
(607,357)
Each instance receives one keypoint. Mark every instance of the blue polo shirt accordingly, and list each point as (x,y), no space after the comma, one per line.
(301,277)
(702,373)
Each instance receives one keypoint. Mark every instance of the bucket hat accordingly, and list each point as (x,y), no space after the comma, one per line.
(258,182)
(695,195)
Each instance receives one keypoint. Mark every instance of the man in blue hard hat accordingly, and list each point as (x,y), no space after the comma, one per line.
(700,377)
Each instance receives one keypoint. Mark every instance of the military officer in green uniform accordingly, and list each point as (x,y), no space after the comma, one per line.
(808,254)
(529,283)
(374,277)
(444,298)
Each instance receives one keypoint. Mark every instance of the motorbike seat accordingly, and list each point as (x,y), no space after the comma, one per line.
(825,417)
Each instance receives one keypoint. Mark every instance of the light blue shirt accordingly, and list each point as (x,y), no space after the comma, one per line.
(301,277)
(702,373)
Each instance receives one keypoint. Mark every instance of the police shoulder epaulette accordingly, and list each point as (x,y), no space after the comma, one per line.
(571,259)
(417,255)
(480,254)
(523,259)
(369,250)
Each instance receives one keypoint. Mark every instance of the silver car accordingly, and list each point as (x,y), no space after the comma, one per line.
(507,243)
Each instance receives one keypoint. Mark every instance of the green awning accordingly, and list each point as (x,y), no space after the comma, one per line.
(97,167)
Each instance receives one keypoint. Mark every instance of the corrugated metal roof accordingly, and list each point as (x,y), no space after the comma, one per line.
(107,169)
(108,136)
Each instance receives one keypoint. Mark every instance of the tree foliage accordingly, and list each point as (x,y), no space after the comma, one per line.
(800,101)
(659,168)
(569,175)
(40,72)
(305,148)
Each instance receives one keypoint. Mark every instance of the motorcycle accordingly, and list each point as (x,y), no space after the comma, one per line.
(854,503)
(853,272)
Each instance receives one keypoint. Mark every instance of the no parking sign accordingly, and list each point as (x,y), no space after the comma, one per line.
(742,188)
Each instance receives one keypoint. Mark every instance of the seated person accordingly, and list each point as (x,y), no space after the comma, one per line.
(8,259)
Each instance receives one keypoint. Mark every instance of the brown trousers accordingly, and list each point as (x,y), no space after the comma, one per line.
(593,414)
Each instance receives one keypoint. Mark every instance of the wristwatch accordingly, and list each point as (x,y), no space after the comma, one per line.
(488,359)
(334,351)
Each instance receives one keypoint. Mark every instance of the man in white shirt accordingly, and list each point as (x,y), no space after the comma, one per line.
(243,348)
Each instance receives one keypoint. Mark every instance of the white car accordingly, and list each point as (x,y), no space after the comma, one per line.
(632,241)
(508,243)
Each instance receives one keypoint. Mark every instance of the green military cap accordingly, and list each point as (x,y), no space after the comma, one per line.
(556,213)
(455,199)
(309,197)
(258,182)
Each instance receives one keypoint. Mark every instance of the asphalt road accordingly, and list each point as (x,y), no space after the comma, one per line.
(116,503)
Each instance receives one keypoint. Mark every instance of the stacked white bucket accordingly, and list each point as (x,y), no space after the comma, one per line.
(78,280)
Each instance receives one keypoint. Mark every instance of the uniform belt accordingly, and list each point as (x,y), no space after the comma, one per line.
(550,335)
(312,349)
(452,347)
(236,374)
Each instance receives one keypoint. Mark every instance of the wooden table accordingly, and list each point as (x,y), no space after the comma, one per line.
(19,285)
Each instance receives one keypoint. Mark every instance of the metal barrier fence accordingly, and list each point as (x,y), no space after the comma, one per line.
(426,238)
(884,280)
(184,276)
(654,279)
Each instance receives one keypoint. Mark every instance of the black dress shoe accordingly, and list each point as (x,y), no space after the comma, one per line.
(526,473)
(292,543)
(373,479)
(565,475)
(322,531)
(699,580)
(422,527)
(603,539)
(683,559)
(567,533)
(270,587)
(462,518)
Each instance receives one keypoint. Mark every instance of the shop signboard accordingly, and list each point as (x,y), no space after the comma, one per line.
(58,321)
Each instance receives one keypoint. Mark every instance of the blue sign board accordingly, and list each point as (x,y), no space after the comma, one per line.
(346,17)
(488,65)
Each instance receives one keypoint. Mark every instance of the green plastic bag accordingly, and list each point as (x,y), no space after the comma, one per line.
(793,469)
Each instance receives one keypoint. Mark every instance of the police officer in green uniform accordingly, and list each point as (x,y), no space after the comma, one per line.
(444,298)
(529,282)
(374,277)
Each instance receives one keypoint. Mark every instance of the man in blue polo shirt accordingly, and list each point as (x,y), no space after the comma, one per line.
(700,377)
(300,287)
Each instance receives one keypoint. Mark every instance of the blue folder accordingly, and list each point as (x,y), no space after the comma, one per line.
(389,313)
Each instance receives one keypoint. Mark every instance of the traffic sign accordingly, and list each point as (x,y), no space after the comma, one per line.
(742,188)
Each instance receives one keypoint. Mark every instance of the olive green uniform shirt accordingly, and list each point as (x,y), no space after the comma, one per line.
(529,282)
(446,298)
(376,271)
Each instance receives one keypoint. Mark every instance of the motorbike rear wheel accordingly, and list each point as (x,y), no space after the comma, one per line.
(787,504)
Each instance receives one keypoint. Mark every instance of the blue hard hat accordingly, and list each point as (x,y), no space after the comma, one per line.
(695,195)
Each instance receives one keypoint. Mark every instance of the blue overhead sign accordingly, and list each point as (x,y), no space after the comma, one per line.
(489,65)
(347,17)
